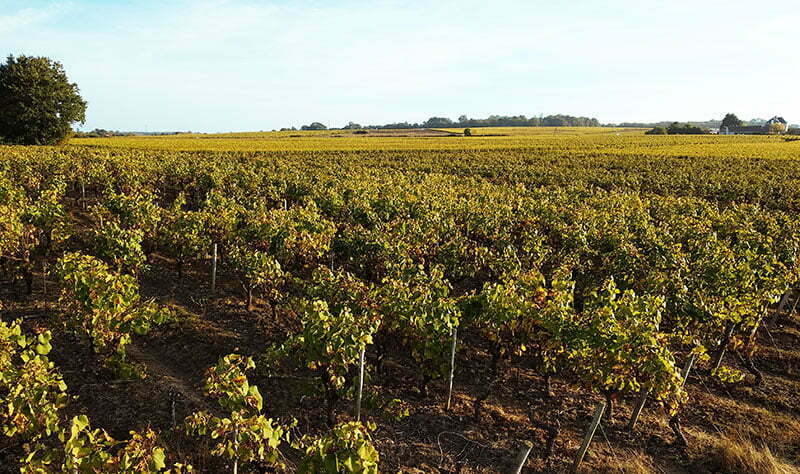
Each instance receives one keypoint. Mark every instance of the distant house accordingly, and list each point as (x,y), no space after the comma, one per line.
(754,129)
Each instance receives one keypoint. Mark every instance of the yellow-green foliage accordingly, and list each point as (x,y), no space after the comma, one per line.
(572,140)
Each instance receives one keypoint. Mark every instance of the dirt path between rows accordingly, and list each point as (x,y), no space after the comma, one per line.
(167,377)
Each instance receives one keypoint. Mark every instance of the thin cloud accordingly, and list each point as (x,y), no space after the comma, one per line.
(29,17)
(218,65)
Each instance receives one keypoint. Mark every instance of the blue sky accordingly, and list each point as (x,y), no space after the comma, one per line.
(227,65)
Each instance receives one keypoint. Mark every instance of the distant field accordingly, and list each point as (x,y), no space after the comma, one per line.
(567,140)
(483,138)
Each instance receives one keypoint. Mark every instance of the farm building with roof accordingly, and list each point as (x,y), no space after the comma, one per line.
(755,129)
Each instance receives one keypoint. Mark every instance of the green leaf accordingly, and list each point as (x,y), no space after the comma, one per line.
(79,423)
(43,348)
(158,459)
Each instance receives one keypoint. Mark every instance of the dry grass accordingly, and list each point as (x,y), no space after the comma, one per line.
(736,454)
(633,463)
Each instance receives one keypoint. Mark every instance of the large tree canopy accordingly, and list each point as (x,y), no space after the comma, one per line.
(38,104)
(731,120)
(314,126)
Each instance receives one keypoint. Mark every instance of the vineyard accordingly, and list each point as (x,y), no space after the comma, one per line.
(332,302)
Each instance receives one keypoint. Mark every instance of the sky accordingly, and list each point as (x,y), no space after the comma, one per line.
(235,65)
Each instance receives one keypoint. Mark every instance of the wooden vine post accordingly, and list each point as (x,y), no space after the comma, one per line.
(637,410)
(360,384)
(236,450)
(452,368)
(784,300)
(687,369)
(214,271)
(587,438)
(675,420)
(723,344)
(522,457)
(781,306)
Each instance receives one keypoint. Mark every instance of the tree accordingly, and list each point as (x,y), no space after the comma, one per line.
(438,122)
(657,131)
(555,121)
(314,126)
(38,104)
(685,129)
(777,128)
(731,120)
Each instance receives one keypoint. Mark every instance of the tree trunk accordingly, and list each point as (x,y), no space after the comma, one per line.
(491,379)
(249,299)
(747,362)
(609,414)
(27,276)
(422,384)
(381,355)
(552,435)
(548,386)
(675,424)
(331,396)
(47,241)
(380,345)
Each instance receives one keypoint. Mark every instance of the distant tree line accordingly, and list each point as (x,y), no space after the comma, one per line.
(466,122)
(666,124)
(523,121)
(730,120)
(558,120)
(510,121)
(686,129)
(102,133)
(677,128)
(314,126)
(777,126)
